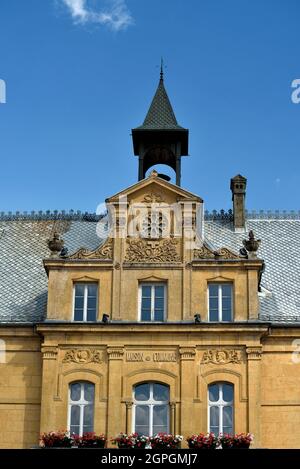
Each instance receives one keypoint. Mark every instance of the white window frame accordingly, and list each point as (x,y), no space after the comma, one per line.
(220,403)
(220,304)
(82,403)
(152,285)
(85,298)
(150,403)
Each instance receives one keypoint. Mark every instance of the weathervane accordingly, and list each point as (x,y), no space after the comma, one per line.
(162,67)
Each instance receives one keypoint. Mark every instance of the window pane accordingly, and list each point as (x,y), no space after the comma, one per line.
(214,416)
(213,315)
(79,289)
(146,303)
(79,302)
(75,391)
(92,289)
(159,303)
(160,392)
(91,302)
(226,315)
(142,430)
(89,392)
(214,392)
(74,429)
(146,315)
(213,290)
(214,430)
(78,315)
(227,392)
(158,315)
(146,291)
(213,303)
(75,415)
(227,430)
(91,315)
(142,392)
(226,304)
(159,291)
(227,416)
(226,290)
(88,415)
(160,415)
(142,415)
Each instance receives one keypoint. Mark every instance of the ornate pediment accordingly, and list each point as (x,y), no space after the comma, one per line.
(104,251)
(204,252)
(152,251)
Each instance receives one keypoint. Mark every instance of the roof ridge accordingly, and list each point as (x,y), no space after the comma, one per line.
(78,215)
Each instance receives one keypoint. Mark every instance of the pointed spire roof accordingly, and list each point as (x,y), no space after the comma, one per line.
(160,114)
(160,125)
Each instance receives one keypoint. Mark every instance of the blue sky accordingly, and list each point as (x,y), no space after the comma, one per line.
(80,74)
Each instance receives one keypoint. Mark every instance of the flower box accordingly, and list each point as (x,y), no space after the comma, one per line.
(165,440)
(203,441)
(237,441)
(131,441)
(90,440)
(60,439)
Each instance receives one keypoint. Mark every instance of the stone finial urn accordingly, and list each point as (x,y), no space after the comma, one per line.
(55,244)
(251,245)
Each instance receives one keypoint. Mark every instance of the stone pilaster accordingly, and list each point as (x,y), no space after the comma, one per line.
(254,355)
(49,354)
(115,421)
(187,385)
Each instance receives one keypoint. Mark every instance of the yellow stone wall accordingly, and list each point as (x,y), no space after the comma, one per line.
(20,387)
(41,361)
(265,378)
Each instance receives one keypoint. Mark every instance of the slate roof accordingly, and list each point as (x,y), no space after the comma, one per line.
(23,245)
(160,115)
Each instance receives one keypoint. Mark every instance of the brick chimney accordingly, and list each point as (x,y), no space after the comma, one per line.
(238,188)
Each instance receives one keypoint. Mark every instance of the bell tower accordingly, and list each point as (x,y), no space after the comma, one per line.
(160,140)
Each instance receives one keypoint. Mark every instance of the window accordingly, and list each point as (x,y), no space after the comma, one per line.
(151,409)
(154,225)
(85,301)
(81,407)
(220,408)
(220,302)
(152,302)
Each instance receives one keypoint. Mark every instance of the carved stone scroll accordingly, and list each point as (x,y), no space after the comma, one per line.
(163,250)
(104,251)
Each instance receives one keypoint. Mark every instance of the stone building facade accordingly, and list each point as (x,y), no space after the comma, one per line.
(157,316)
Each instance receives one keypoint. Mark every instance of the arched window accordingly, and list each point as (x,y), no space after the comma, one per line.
(220,408)
(151,408)
(81,407)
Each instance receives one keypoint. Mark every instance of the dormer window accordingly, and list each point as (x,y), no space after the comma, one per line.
(220,302)
(85,301)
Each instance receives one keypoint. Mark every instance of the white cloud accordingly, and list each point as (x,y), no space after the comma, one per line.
(116,15)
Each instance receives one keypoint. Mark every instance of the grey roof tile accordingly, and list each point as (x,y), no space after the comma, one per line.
(23,245)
